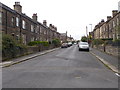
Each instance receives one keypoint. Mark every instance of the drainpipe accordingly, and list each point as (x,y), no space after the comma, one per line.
(6,23)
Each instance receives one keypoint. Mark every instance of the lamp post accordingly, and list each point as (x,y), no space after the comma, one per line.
(91,27)
(91,36)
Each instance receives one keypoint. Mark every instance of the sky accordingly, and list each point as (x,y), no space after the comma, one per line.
(68,15)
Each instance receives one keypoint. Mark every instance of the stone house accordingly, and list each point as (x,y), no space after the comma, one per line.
(19,25)
(109,29)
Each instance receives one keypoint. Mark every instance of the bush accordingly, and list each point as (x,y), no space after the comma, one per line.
(10,47)
(56,42)
(98,41)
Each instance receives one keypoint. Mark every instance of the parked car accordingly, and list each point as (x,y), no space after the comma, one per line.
(69,44)
(83,46)
(64,45)
(75,43)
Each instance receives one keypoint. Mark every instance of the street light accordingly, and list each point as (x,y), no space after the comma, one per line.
(91,27)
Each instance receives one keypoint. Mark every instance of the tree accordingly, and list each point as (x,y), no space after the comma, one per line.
(84,39)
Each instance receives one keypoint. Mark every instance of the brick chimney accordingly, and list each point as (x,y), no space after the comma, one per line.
(45,22)
(108,18)
(34,17)
(114,12)
(18,7)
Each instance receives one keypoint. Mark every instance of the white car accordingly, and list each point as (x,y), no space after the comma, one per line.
(83,46)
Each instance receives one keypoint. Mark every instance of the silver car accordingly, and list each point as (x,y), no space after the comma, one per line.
(83,46)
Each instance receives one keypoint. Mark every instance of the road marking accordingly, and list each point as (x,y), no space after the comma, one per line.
(78,77)
(117,74)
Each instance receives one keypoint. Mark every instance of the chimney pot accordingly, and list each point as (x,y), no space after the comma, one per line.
(114,12)
(45,22)
(108,18)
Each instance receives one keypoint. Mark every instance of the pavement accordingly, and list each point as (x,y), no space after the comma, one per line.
(24,58)
(108,60)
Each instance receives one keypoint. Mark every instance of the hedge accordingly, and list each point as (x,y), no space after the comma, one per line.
(34,43)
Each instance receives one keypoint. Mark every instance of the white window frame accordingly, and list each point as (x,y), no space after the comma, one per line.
(12,21)
(32,28)
(23,24)
(32,38)
(17,21)
(113,23)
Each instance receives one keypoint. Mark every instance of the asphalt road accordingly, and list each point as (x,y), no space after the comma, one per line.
(64,68)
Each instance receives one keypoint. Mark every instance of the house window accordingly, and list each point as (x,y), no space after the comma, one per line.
(40,30)
(17,21)
(32,28)
(32,38)
(37,30)
(117,21)
(113,23)
(12,21)
(24,38)
(0,17)
(23,24)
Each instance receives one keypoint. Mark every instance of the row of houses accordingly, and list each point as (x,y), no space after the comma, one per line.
(19,25)
(109,29)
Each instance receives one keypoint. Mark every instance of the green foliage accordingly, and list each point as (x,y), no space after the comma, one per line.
(73,42)
(84,39)
(10,47)
(33,43)
(98,41)
(56,42)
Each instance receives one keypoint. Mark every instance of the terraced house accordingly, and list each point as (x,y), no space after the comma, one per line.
(109,29)
(19,25)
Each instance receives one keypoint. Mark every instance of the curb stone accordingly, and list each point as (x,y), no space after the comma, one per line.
(27,58)
(113,68)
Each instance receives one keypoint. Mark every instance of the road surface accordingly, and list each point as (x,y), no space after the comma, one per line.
(63,68)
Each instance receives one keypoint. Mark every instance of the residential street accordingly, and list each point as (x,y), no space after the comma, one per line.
(63,68)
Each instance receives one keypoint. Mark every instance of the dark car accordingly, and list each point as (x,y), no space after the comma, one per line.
(64,45)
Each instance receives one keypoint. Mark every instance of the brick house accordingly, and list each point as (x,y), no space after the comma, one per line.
(19,25)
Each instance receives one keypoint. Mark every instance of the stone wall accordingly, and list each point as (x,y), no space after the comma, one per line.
(29,50)
(112,50)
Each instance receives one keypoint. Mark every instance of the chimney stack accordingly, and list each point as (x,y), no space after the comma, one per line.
(108,18)
(102,21)
(18,7)
(114,12)
(34,17)
(45,22)
(50,26)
